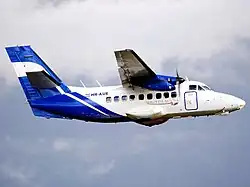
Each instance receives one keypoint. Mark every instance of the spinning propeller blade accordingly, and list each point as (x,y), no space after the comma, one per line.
(178,82)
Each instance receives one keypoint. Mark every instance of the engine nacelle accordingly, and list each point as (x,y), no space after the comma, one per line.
(162,83)
(160,86)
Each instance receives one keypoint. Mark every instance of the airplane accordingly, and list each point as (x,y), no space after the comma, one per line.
(143,97)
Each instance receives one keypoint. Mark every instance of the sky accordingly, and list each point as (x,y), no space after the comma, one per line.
(207,41)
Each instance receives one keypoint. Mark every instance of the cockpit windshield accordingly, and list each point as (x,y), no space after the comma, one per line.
(199,87)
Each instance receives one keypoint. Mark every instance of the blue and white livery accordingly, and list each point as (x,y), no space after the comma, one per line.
(143,96)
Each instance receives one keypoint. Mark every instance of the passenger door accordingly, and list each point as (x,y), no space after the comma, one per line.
(190,100)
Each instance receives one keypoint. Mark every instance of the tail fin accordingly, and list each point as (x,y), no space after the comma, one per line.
(36,78)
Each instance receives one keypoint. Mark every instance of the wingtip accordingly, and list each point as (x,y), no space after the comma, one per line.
(17,46)
(123,50)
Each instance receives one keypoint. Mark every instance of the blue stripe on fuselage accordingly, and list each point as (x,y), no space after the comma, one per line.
(96,105)
(66,106)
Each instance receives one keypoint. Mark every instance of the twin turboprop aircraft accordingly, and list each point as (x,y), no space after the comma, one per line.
(143,96)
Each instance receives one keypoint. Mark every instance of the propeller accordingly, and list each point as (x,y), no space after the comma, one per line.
(179,80)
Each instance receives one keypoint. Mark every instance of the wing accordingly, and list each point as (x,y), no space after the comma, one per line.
(132,69)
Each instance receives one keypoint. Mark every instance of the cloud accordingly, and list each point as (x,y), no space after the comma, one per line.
(105,154)
(85,150)
(79,38)
(61,145)
(19,174)
(56,3)
(228,66)
(139,143)
(102,169)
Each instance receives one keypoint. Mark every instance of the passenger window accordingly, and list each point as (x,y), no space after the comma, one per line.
(158,95)
(149,96)
(192,87)
(116,98)
(173,94)
(132,97)
(124,98)
(141,97)
(108,99)
(166,95)
(200,88)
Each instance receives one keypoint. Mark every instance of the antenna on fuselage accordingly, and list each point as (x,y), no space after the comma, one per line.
(98,83)
(82,84)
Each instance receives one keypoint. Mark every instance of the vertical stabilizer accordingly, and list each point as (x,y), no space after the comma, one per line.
(36,78)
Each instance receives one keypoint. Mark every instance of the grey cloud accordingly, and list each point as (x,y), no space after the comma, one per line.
(102,169)
(229,66)
(20,175)
(56,3)
(81,37)
(61,145)
(56,152)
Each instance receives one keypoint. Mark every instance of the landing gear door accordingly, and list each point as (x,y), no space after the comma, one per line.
(190,100)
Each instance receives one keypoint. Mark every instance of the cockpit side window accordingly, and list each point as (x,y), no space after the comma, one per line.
(192,87)
(206,88)
(200,88)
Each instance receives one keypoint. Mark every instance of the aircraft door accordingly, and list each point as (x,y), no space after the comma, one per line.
(190,100)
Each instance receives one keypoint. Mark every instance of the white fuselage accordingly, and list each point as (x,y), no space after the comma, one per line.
(159,106)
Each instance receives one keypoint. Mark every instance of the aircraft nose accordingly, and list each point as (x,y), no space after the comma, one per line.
(241,103)
(232,103)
